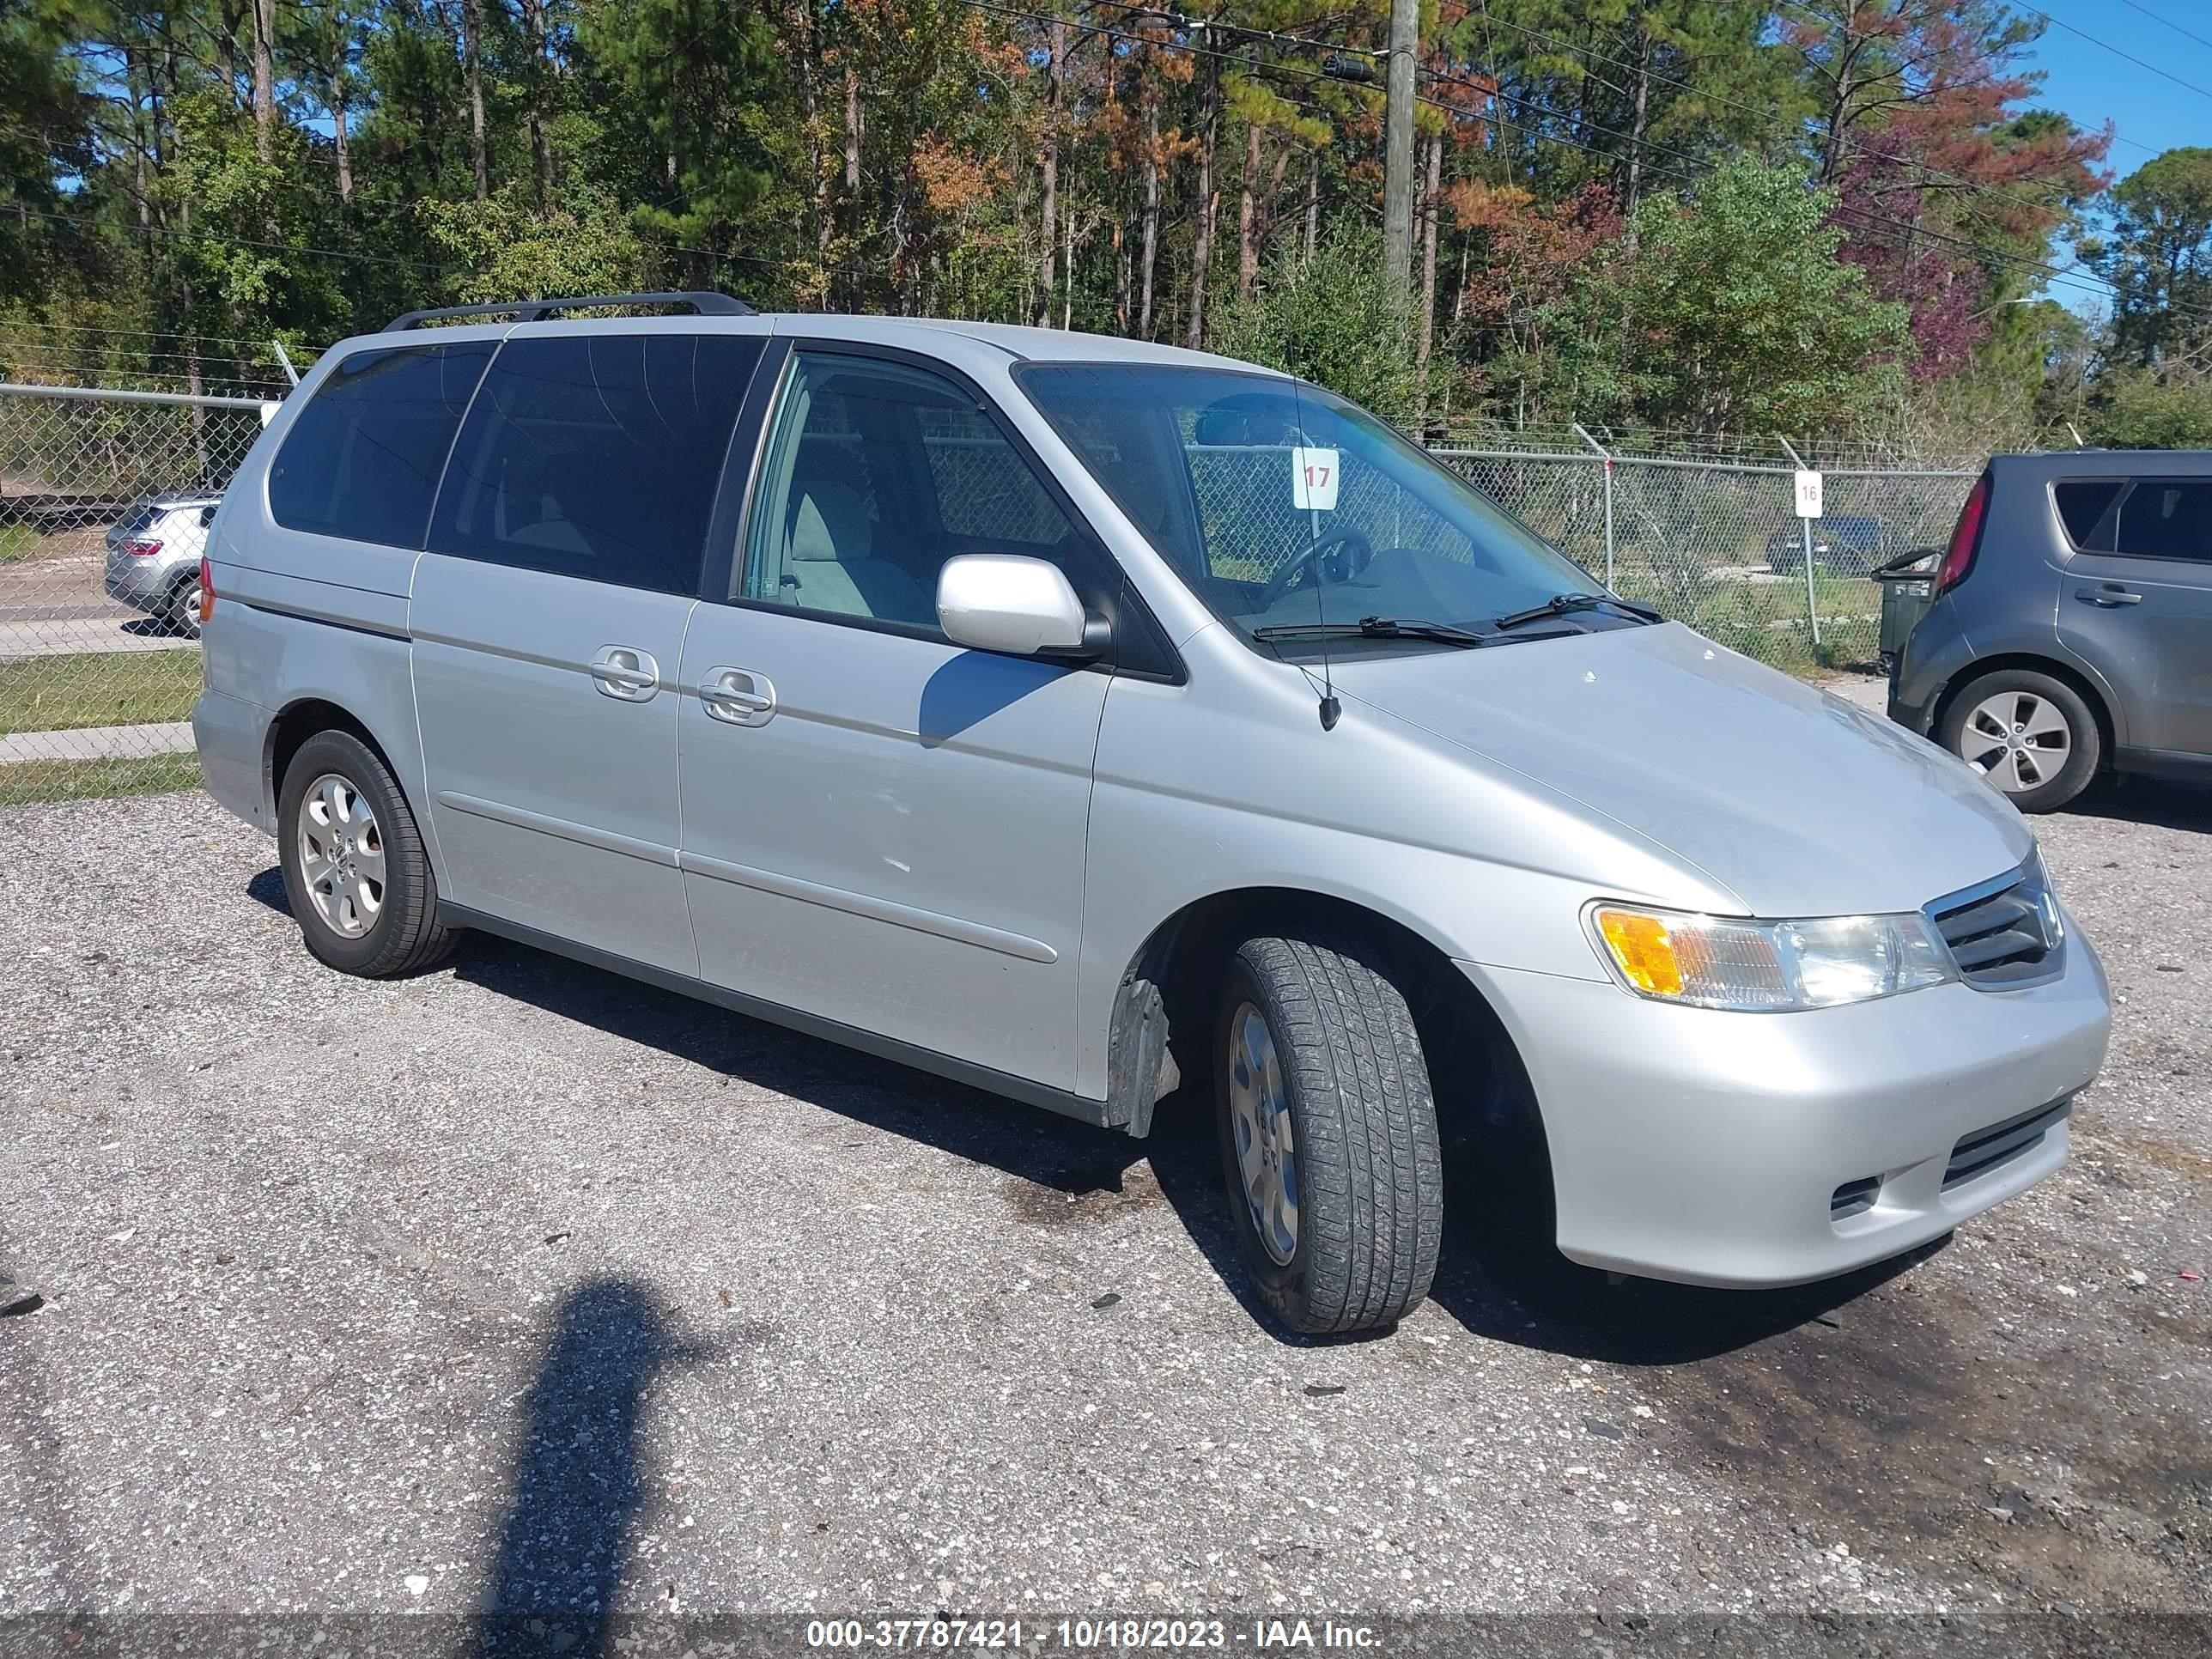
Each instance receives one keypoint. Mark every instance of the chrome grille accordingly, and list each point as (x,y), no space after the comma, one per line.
(2004,933)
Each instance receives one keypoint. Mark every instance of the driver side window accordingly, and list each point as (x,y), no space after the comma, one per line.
(877,473)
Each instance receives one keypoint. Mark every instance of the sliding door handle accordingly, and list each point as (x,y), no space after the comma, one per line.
(738,697)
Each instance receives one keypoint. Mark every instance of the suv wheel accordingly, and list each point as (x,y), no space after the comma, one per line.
(181,611)
(354,871)
(1329,1135)
(2032,735)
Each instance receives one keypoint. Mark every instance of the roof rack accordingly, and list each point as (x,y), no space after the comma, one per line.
(530,310)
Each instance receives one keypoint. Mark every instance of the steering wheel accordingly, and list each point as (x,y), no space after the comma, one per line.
(1358,553)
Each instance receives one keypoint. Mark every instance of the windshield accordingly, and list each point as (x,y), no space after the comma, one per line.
(1284,506)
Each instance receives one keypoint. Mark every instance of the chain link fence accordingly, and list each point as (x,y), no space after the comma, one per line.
(1716,542)
(106,496)
(105,500)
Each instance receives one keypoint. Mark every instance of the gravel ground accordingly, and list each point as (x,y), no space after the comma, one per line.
(517,1281)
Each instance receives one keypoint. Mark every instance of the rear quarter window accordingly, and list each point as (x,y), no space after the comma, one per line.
(2085,507)
(363,457)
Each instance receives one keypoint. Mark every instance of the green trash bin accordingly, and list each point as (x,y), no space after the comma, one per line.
(1908,589)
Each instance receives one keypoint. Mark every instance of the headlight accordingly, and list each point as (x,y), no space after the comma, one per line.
(1768,967)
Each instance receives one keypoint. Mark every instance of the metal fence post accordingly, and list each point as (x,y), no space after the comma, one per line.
(1605,459)
(1812,601)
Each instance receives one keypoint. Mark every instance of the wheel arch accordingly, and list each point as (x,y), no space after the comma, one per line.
(2084,685)
(301,720)
(1163,1008)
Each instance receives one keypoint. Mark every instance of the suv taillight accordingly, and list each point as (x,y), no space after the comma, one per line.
(1966,539)
(139,547)
(207,589)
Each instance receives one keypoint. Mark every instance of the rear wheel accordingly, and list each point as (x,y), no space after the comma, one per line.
(2031,735)
(1328,1134)
(359,881)
(181,609)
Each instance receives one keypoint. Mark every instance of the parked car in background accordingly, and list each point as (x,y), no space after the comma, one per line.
(1073,716)
(154,557)
(2071,630)
(1842,546)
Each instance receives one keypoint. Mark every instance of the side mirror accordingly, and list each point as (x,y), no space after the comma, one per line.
(1024,607)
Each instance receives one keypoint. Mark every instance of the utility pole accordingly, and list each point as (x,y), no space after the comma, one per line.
(1398,149)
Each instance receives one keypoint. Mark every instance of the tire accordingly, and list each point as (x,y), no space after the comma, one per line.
(350,918)
(2038,750)
(181,609)
(1364,1171)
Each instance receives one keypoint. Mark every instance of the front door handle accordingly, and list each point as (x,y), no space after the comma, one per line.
(625,672)
(739,697)
(2108,595)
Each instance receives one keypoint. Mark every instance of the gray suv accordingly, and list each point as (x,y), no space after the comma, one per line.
(2071,630)
(1075,717)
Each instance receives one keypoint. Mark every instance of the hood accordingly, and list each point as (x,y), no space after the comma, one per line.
(1797,801)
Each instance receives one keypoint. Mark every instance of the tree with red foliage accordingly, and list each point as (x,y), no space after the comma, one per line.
(1945,181)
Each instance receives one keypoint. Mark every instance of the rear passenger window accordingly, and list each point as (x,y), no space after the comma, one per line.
(597,456)
(2165,518)
(362,459)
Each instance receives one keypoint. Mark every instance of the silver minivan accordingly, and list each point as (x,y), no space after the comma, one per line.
(1073,717)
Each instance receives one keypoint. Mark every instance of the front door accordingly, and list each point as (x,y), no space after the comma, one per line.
(2135,601)
(883,829)
(549,617)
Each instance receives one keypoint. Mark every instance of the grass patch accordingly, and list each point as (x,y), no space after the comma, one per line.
(16,542)
(97,687)
(1766,620)
(26,782)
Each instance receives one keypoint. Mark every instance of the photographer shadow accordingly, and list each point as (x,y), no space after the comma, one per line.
(579,1478)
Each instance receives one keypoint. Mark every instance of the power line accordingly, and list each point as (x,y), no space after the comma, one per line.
(2055,273)
(229,241)
(1897,233)
(134,333)
(2139,63)
(1709,96)
(1900,232)
(2168,21)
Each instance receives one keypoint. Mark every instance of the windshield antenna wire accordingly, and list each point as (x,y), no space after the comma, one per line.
(1331,710)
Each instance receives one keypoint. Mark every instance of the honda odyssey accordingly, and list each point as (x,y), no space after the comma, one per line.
(1071,717)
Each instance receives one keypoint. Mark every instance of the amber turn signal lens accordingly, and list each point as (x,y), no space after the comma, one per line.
(1642,948)
(207,590)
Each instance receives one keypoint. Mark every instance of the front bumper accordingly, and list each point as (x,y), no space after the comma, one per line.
(1707,1147)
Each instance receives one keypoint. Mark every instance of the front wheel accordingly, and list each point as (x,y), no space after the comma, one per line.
(1328,1134)
(2031,736)
(355,869)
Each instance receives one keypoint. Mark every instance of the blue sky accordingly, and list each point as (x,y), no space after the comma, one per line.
(2093,83)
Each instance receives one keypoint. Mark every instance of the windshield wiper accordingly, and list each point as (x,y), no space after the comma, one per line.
(1560,605)
(1372,628)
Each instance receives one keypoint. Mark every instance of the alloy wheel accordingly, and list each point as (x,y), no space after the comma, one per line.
(340,855)
(2018,740)
(1260,1119)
